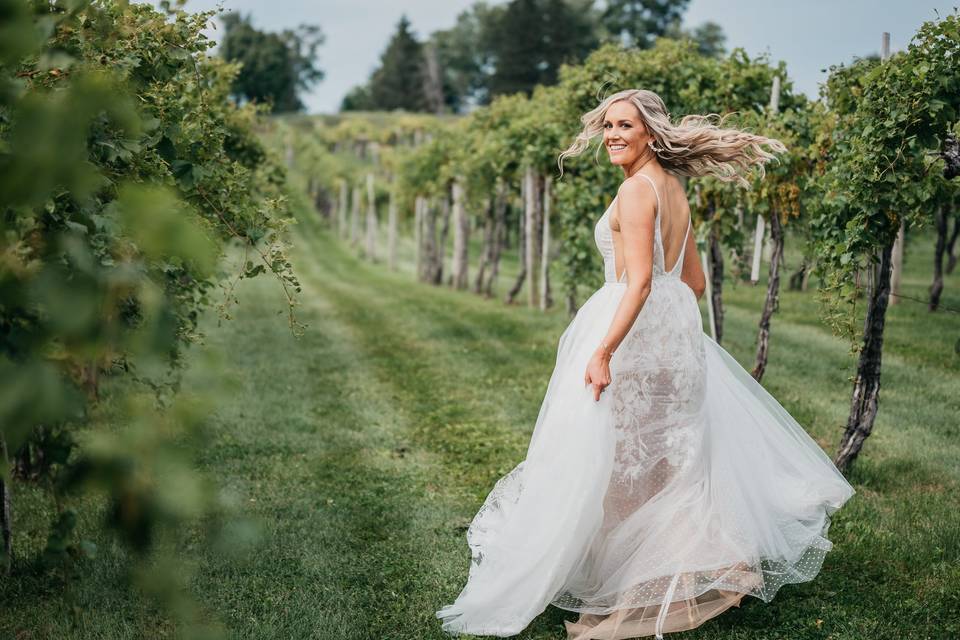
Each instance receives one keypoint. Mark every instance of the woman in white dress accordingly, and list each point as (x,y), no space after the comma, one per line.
(662,483)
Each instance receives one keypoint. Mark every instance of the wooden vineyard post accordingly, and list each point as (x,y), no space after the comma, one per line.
(440,251)
(355,217)
(499,235)
(342,210)
(531,210)
(392,229)
(429,241)
(545,301)
(372,221)
(461,232)
(757,250)
(417,237)
(896,274)
(487,247)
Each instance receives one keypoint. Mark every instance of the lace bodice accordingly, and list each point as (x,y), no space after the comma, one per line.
(603,236)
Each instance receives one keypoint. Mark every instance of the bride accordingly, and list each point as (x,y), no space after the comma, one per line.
(662,483)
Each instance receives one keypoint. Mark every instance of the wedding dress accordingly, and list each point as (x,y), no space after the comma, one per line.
(683,489)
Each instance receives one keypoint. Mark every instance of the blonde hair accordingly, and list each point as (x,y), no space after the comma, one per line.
(694,147)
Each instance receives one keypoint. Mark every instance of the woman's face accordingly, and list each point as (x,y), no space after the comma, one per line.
(624,135)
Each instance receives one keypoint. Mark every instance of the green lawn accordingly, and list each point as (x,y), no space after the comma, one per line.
(364,448)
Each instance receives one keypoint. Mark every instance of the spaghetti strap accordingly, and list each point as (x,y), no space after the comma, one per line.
(655,192)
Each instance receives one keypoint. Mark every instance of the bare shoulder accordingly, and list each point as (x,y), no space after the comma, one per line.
(636,200)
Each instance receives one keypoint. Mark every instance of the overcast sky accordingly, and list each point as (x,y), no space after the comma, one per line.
(809,35)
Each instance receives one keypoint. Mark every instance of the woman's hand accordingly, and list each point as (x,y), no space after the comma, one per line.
(598,372)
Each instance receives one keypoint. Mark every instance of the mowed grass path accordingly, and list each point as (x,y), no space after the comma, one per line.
(365,447)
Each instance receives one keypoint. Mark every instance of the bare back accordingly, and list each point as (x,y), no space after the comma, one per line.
(674,217)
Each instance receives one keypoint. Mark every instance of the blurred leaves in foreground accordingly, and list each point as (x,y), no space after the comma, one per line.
(127,175)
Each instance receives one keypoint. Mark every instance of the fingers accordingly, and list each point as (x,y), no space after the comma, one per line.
(598,388)
(598,385)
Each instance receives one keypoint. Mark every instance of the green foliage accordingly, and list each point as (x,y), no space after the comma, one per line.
(638,23)
(357,99)
(709,37)
(344,148)
(532,39)
(464,54)
(126,175)
(427,170)
(780,191)
(276,67)
(882,157)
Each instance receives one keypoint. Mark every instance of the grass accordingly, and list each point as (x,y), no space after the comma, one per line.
(364,448)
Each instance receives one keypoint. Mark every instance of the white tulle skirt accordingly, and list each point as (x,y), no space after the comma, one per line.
(683,489)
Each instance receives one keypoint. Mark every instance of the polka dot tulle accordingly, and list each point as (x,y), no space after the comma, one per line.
(686,488)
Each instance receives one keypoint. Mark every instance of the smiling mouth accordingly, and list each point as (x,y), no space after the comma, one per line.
(617,147)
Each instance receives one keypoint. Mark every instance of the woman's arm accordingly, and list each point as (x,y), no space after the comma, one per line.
(636,208)
(692,270)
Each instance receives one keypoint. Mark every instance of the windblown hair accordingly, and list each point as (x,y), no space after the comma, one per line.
(694,147)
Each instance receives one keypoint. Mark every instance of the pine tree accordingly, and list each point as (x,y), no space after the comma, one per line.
(568,36)
(638,23)
(399,81)
(532,38)
(517,47)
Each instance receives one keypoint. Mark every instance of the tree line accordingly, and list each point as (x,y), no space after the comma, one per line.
(512,47)
(489,51)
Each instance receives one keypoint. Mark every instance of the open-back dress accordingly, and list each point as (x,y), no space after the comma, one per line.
(686,487)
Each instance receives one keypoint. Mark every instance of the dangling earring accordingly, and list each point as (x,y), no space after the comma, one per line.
(654,147)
